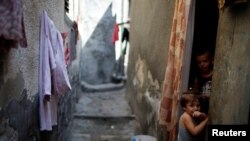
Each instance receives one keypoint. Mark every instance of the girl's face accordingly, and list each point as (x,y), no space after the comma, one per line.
(189,108)
(204,62)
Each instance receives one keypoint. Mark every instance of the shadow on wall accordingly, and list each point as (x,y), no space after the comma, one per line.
(19,119)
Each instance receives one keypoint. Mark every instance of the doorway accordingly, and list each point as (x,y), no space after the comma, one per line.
(204,28)
(205,31)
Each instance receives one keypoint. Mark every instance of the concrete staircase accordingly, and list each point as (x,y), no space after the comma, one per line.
(103,116)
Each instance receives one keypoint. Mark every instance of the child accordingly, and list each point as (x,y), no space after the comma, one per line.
(189,130)
(198,117)
(203,79)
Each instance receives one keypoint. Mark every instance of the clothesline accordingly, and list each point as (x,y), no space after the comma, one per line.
(123,23)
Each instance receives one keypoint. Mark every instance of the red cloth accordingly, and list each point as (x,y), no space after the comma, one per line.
(67,55)
(66,48)
(115,35)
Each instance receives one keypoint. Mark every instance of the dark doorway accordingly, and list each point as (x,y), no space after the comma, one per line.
(205,31)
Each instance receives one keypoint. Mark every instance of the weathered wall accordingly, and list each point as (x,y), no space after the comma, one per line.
(98,54)
(19,79)
(149,38)
(97,51)
(230,97)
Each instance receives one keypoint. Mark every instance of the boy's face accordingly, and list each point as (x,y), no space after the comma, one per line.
(204,62)
(197,106)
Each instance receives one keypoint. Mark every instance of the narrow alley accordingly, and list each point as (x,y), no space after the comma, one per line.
(102,113)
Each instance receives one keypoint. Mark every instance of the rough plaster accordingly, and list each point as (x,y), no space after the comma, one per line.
(147,98)
(139,73)
(19,79)
(229,103)
(18,111)
(11,88)
(26,60)
(7,132)
(98,54)
(150,29)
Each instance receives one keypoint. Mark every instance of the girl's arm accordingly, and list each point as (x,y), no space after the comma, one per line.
(191,127)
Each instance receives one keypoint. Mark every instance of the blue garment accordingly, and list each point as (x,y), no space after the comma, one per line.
(184,135)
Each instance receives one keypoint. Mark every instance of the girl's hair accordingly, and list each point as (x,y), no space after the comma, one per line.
(186,98)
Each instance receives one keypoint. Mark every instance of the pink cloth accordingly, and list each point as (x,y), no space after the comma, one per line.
(67,55)
(11,21)
(66,48)
(53,77)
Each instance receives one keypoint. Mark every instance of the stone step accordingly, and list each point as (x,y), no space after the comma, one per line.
(85,116)
(86,87)
(115,127)
(99,137)
(103,104)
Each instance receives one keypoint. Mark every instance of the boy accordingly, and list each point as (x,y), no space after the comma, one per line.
(203,79)
(188,129)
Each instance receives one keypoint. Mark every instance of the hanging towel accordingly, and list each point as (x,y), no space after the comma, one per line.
(60,76)
(47,63)
(53,77)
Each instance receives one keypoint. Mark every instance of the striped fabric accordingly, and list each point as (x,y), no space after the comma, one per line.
(171,85)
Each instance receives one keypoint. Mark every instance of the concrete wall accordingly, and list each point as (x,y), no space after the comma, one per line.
(19,79)
(150,28)
(230,99)
(98,54)
(97,51)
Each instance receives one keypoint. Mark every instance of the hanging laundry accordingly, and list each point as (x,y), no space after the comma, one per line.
(11,23)
(66,47)
(115,35)
(60,76)
(125,37)
(53,77)
(67,55)
(125,34)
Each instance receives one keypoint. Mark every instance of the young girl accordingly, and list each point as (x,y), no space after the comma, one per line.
(189,128)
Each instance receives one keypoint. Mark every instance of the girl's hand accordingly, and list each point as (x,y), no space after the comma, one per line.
(196,114)
(200,115)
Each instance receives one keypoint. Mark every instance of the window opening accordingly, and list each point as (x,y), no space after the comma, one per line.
(66,6)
